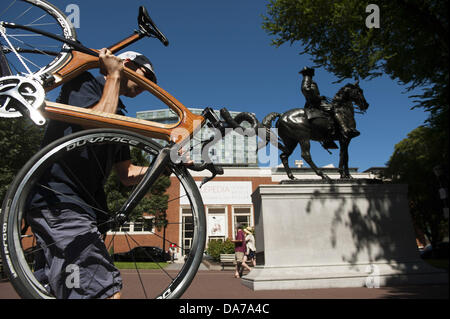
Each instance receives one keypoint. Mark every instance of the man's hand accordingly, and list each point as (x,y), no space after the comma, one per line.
(186,158)
(109,63)
(111,67)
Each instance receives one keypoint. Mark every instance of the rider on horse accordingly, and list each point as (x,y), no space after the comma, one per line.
(314,101)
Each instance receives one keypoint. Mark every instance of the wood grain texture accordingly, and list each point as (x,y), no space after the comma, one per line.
(179,132)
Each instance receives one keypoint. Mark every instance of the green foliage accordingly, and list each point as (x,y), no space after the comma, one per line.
(217,247)
(335,33)
(411,45)
(155,203)
(139,265)
(19,141)
(412,163)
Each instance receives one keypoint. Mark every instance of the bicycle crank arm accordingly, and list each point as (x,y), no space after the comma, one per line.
(150,177)
(26,108)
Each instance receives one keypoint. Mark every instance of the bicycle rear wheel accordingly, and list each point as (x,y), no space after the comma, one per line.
(25,53)
(19,245)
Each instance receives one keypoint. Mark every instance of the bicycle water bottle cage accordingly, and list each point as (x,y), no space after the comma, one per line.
(148,27)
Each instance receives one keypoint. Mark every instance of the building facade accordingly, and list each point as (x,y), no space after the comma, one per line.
(233,150)
(227,198)
(228,202)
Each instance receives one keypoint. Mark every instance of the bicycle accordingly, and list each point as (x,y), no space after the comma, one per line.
(23,94)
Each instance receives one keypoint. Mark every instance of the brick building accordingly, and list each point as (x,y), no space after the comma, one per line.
(227,200)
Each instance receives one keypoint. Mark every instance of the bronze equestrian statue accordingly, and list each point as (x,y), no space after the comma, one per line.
(321,120)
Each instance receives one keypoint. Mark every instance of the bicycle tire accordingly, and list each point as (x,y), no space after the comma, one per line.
(63,28)
(13,245)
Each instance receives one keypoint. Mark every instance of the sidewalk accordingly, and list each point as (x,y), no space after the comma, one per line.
(218,284)
(210,277)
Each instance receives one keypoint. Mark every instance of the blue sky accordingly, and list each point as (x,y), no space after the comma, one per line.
(219,56)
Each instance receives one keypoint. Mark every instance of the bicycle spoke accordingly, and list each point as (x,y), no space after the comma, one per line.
(14,51)
(15,35)
(28,60)
(31,24)
(77,201)
(38,15)
(7,8)
(93,275)
(23,13)
(75,235)
(176,198)
(137,270)
(30,46)
(40,24)
(152,258)
(162,282)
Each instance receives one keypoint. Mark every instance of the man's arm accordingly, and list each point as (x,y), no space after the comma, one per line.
(112,67)
(240,240)
(128,173)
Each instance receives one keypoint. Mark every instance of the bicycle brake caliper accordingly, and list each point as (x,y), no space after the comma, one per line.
(215,170)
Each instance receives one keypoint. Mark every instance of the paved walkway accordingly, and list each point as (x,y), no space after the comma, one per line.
(217,284)
(222,285)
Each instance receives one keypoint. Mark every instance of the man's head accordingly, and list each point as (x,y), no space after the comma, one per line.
(141,65)
(306,71)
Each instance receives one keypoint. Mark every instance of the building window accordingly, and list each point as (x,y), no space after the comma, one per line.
(187,230)
(141,225)
(216,223)
(241,215)
(161,114)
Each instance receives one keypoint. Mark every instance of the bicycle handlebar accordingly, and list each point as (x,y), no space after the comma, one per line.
(222,127)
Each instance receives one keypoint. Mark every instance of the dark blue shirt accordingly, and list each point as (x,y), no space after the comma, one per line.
(79,177)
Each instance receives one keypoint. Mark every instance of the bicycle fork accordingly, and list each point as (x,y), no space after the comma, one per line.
(160,164)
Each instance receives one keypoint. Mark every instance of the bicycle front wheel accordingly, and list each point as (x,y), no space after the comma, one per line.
(135,246)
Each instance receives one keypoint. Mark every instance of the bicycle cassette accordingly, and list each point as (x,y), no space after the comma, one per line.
(21,96)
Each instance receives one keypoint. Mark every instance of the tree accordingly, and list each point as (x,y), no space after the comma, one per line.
(156,203)
(411,44)
(19,141)
(412,163)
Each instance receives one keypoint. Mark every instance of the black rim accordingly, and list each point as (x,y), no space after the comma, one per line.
(179,282)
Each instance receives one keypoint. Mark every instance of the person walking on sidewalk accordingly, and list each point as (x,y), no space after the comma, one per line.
(251,248)
(239,250)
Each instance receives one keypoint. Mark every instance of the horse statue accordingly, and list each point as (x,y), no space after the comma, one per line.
(300,126)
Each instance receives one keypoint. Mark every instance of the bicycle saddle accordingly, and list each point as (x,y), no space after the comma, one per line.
(148,27)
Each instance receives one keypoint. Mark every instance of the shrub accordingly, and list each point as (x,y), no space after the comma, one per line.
(217,247)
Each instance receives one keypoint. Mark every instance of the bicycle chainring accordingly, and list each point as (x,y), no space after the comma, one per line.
(21,96)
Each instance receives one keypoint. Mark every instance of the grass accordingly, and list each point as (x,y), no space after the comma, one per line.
(140,265)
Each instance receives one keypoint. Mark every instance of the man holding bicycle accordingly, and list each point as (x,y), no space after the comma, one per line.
(68,223)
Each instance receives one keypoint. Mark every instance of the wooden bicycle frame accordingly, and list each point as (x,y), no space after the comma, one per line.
(179,132)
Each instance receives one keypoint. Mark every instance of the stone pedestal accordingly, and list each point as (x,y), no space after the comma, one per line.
(346,234)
